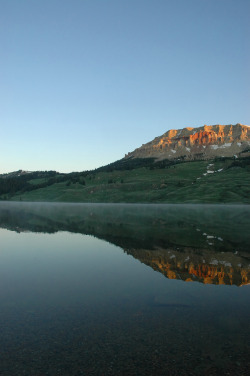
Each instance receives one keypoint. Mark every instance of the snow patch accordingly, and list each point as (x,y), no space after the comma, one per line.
(210,237)
(173,256)
(239,143)
(226,263)
(227,145)
(188,149)
(220,239)
(221,169)
(210,172)
(187,258)
(173,151)
(214,262)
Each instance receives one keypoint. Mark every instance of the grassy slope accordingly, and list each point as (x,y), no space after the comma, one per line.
(183,182)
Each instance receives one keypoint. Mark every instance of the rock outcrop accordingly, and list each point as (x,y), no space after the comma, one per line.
(207,243)
(204,142)
(196,265)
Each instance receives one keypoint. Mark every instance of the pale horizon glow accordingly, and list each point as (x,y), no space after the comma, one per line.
(85,82)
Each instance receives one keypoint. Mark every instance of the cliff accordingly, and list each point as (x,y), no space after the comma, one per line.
(196,265)
(202,243)
(204,142)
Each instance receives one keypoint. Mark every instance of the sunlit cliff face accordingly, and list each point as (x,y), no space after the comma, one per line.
(192,269)
(204,138)
(202,243)
(203,143)
(218,275)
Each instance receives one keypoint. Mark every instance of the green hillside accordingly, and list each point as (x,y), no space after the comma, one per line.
(223,180)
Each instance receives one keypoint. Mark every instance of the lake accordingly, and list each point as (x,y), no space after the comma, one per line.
(99,289)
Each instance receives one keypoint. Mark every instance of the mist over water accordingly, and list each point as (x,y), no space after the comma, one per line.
(124,289)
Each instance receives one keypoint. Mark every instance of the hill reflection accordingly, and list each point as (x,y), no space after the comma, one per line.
(205,243)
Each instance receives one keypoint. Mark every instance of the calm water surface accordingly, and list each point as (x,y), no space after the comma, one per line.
(124,290)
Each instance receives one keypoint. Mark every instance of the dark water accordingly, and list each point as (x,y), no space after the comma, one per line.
(124,290)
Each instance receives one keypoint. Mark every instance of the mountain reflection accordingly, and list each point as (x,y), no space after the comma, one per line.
(205,243)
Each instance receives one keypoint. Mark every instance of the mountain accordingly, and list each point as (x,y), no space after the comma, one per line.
(201,143)
(196,265)
(187,242)
(210,164)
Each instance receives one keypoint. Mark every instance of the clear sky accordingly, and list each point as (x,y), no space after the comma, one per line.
(82,82)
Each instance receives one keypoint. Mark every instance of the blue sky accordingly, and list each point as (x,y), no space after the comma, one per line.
(83,82)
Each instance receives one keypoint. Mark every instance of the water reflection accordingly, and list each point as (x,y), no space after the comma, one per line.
(204,243)
(80,296)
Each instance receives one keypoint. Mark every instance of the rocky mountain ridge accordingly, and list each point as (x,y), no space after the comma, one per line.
(206,244)
(202,265)
(205,142)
